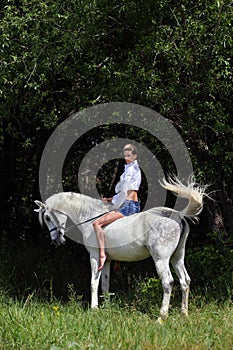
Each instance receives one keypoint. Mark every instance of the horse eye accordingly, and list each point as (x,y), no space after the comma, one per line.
(48,218)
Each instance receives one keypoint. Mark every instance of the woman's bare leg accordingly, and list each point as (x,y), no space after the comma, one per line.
(98,226)
(100,237)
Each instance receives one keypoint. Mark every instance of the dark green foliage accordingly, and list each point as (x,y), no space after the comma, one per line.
(59,57)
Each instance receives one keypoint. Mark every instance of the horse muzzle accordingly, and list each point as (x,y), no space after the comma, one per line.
(59,240)
(57,243)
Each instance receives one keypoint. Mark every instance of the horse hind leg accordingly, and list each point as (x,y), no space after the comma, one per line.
(163,270)
(177,261)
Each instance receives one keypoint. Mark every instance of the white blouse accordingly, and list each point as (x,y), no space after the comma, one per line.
(129,180)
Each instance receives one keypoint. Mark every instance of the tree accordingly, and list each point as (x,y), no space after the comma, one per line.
(60,57)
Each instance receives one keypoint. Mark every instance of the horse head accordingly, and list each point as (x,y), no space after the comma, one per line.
(54,220)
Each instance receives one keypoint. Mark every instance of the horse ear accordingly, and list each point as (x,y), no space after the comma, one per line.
(40,205)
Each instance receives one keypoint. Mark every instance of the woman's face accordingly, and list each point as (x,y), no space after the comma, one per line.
(129,157)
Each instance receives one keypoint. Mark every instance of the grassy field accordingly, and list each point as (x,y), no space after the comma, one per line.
(33,324)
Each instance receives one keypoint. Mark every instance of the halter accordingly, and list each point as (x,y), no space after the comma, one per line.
(55,219)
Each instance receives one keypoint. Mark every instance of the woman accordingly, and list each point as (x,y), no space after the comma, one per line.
(125,201)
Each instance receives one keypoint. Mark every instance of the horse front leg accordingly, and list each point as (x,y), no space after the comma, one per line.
(105,277)
(95,278)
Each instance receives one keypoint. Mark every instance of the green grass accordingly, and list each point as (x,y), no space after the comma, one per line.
(34,324)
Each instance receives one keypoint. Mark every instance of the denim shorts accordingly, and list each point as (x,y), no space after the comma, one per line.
(129,207)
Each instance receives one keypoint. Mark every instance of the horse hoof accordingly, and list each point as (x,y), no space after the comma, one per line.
(160,320)
(95,308)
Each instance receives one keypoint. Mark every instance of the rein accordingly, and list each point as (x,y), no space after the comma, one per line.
(76,225)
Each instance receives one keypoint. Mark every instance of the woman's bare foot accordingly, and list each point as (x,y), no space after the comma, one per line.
(102,260)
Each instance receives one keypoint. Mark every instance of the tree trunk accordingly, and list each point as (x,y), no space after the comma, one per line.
(220,213)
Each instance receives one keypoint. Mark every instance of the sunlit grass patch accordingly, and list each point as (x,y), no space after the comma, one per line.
(58,326)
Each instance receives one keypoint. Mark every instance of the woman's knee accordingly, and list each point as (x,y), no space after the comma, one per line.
(95,225)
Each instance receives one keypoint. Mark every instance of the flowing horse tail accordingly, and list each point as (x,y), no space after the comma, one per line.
(193,192)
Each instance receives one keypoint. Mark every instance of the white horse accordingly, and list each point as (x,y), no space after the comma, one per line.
(160,232)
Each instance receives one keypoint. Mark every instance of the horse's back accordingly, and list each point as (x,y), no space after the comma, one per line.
(139,222)
(139,235)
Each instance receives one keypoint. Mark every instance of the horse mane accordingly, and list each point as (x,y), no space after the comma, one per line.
(76,202)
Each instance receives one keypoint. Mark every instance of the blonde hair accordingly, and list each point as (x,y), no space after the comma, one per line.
(132,148)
